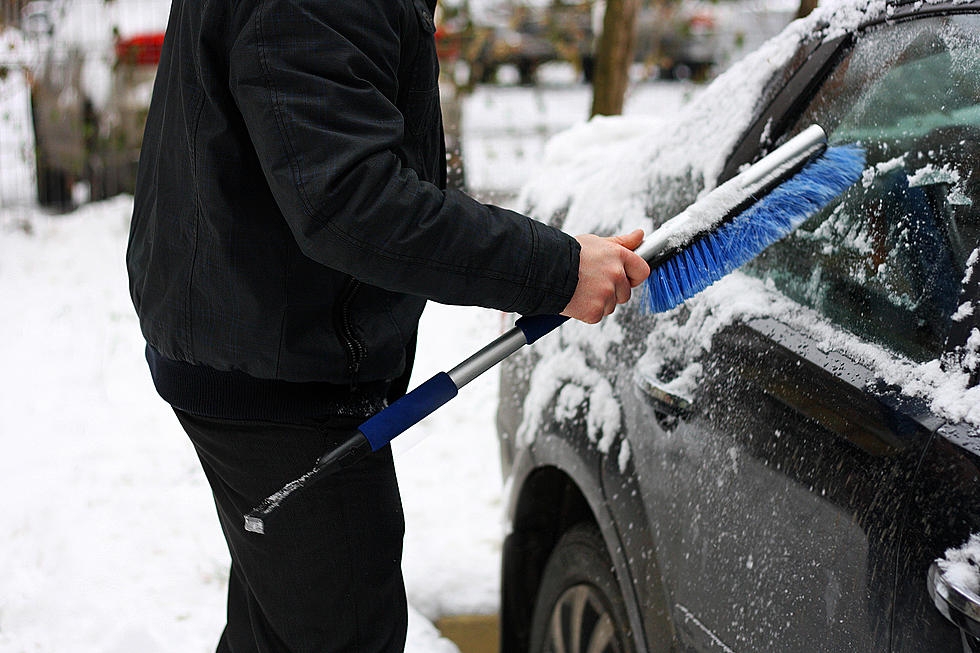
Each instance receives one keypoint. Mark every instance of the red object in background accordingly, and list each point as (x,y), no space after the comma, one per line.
(702,20)
(447,43)
(142,49)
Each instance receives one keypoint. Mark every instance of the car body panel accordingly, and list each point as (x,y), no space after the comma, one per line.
(560,448)
(622,492)
(944,507)
(730,488)
(944,511)
(804,514)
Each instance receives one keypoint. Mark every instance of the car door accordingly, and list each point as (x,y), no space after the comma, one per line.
(779,425)
(944,507)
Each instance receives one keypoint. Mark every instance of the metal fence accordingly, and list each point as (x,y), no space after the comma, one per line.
(18,60)
(75,83)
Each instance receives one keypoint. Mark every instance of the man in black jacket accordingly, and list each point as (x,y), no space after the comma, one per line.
(290,221)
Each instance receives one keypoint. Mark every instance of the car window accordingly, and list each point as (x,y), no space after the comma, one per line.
(886,259)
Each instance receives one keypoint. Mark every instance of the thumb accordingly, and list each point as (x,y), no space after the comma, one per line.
(630,241)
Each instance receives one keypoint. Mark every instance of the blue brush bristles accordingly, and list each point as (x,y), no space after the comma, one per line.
(736,242)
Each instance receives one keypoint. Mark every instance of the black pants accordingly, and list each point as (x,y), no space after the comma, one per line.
(326,575)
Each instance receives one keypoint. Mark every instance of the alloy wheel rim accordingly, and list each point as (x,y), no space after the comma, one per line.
(581,623)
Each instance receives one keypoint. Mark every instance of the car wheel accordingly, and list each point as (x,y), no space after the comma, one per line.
(681,71)
(588,68)
(106,181)
(53,187)
(579,608)
(526,71)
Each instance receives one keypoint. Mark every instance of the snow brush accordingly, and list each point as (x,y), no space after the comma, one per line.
(720,232)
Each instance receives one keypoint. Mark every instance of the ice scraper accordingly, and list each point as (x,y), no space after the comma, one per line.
(725,229)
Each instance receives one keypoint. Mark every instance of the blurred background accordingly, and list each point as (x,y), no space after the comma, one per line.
(76,78)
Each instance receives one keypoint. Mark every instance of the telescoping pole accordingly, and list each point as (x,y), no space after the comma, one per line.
(379,430)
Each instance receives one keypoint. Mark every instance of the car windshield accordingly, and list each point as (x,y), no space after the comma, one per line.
(886,260)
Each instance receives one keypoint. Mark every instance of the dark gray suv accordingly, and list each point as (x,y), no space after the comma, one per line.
(778,464)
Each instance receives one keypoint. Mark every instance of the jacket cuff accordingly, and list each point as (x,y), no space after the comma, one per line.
(552,272)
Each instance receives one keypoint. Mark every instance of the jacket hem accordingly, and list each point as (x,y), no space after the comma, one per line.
(205,391)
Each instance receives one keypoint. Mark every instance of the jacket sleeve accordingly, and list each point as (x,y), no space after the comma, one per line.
(315,81)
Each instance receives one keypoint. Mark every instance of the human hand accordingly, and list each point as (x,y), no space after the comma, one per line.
(608,270)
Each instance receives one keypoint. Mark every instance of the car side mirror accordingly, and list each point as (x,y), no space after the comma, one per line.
(958,604)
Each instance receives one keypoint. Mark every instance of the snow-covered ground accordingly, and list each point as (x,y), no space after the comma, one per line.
(110,543)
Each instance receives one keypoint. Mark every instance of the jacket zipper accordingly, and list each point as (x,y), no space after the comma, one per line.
(354,347)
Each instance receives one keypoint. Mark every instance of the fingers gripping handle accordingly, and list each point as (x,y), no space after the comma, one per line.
(409,410)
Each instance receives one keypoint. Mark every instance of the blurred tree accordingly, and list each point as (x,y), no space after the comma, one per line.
(10,11)
(806,6)
(614,54)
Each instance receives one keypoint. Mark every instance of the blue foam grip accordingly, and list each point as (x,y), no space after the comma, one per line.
(535,326)
(409,410)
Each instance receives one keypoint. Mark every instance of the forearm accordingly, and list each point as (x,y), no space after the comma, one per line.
(327,130)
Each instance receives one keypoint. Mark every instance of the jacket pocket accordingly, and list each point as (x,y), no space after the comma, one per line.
(346,332)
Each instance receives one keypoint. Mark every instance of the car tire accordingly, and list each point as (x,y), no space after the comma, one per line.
(526,71)
(106,182)
(579,605)
(588,68)
(681,72)
(53,187)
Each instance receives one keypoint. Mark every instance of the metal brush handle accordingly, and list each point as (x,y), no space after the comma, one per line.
(757,179)
(426,398)
(409,410)
(784,160)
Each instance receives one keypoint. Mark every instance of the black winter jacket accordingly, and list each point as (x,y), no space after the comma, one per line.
(290,218)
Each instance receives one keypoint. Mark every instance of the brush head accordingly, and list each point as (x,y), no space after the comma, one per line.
(690,268)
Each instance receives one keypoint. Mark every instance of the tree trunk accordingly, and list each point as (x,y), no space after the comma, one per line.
(614,56)
(806,6)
